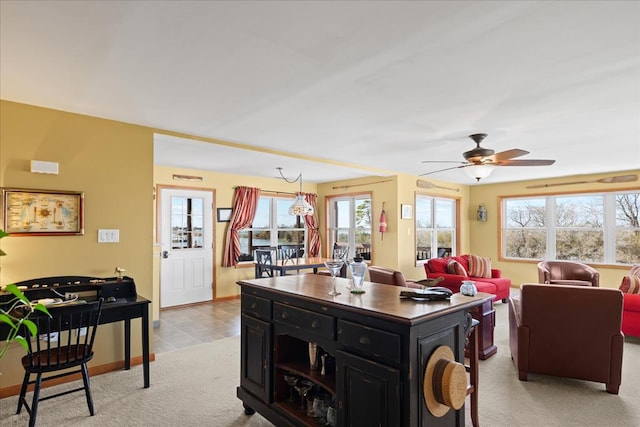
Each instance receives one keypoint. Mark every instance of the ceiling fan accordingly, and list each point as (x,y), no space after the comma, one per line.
(480,161)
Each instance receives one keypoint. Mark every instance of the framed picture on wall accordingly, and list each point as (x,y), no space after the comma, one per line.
(28,212)
(406,211)
(224,214)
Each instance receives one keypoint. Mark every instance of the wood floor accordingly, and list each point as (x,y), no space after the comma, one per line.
(196,324)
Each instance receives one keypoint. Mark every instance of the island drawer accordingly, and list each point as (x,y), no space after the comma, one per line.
(256,306)
(306,320)
(382,344)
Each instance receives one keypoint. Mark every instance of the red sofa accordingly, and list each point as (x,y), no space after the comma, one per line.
(631,315)
(631,303)
(497,285)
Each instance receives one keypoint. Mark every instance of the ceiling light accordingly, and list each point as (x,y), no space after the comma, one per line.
(479,171)
(300,206)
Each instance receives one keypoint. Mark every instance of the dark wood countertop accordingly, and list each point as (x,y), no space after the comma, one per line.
(378,300)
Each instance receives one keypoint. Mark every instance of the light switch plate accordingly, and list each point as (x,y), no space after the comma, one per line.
(108,235)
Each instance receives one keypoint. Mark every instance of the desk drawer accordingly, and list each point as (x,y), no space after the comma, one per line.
(256,306)
(385,345)
(309,321)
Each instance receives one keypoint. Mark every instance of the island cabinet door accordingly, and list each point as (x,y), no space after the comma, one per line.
(368,393)
(255,357)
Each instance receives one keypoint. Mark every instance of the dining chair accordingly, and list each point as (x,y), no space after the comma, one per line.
(265,258)
(341,252)
(288,253)
(62,342)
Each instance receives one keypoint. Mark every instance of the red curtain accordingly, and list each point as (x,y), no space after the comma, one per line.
(311,221)
(244,210)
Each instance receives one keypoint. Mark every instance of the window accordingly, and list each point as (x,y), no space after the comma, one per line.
(272,226)
(594,227)
(187,218)
(350,224)
(436,220)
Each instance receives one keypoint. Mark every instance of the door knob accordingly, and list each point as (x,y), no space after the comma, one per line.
(165,254)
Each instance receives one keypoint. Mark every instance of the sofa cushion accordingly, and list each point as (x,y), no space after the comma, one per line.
(437,265)
(630,285)
(454,267)
(479,266)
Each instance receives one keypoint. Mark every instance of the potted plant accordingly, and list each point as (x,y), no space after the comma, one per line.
(9,313)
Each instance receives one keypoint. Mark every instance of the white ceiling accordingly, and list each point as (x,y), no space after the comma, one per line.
(378,84)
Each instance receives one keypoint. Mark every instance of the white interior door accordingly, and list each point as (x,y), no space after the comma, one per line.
(186,272)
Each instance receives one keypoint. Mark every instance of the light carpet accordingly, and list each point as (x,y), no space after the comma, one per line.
(197,387)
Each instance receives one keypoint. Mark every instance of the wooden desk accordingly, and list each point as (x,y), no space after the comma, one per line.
(132,306)
(380,344)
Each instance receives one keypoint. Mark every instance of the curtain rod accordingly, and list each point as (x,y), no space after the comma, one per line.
(358,185)
(272,191)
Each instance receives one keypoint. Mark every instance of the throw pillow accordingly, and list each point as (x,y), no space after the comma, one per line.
(630,285)
(454,267)
(479,266)
(635,271)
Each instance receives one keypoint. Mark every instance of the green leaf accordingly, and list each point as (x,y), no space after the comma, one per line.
(22,342)
(6,319)
(17,292)
(43,309)
(3,233)
(33,328)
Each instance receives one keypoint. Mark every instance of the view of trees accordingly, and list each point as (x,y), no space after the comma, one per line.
(578,224)
(363,221)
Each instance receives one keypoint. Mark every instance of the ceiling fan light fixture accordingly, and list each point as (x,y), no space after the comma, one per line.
(479,171)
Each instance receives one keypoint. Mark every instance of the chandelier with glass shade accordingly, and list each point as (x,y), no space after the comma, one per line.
(300,206)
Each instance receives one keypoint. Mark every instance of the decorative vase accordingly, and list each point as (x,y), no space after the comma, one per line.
(358,270)
(468,288)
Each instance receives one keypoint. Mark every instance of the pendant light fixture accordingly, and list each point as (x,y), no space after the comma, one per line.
(300,206)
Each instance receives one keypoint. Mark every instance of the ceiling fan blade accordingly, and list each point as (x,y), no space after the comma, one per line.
(530,162)
(509,154)
(446,169)
(444,161)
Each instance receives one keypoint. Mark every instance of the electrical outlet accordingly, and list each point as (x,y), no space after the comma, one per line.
(70,295)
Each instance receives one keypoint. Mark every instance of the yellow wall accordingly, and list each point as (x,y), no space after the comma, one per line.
(111,162)
(485,235)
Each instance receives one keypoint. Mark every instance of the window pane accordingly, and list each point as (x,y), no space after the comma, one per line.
(187,217)
(627,246)
(284,220)
(580,211)
(580,245)
(628,210)
(525,213)
(445,242)
(342,214)
(423,212)
(423,243)
(260,238)
(289,237)
(263,213)
(445,213)
(245,252)
(342,236)
(526,243)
